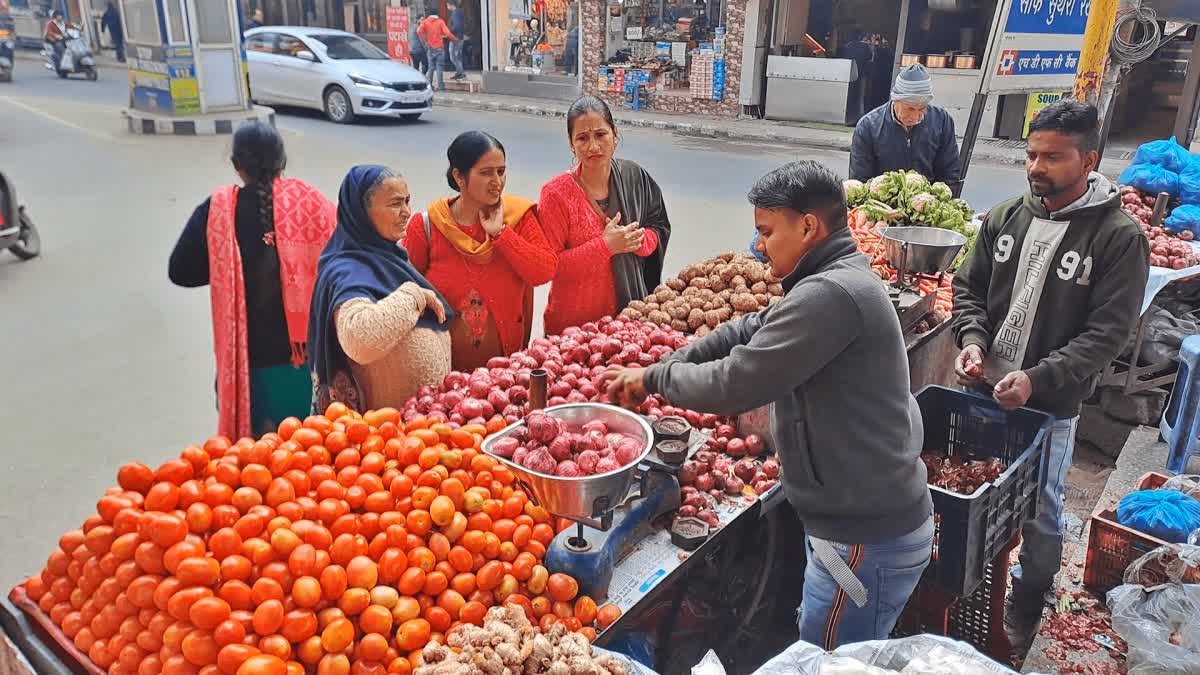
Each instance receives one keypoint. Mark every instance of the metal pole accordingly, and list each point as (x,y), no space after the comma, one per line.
(1185,119)
(971,133)
(901,39)
(1096,39)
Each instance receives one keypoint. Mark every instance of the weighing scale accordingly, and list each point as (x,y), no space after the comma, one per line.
(613,510)
(918,253)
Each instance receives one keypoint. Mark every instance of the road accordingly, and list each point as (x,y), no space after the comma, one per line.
(106,362)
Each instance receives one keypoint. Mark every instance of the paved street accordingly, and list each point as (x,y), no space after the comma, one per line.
(106,362)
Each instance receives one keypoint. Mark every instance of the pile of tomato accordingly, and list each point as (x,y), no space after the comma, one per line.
(341,544)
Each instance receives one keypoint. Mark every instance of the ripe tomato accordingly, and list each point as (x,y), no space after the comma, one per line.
(135,477)
(362,572)
(208,613)
(333,582)
(337,636)
(263,664)
(299,625)
(607,616)
(413,634)
(306,592)
(376,619)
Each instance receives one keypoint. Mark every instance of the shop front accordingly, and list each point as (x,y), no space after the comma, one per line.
(680,56)
(855,48)
(533,48)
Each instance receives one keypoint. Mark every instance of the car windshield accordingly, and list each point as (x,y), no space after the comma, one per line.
(349,47)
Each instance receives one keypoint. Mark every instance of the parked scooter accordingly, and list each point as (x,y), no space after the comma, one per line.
(17,233)
(77,57)
(8,37)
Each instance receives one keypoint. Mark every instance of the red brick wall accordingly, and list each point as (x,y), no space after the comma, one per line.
(592,16)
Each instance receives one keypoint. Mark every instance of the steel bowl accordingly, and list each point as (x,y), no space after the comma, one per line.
(585,497)
(921,250)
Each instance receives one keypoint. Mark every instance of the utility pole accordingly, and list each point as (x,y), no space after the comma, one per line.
(1095,81)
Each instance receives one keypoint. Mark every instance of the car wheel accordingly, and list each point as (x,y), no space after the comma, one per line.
(337,106)
(411,118)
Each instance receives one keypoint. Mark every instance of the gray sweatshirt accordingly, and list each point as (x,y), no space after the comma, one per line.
(830,360)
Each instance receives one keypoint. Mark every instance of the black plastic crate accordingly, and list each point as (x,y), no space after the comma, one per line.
(972,529)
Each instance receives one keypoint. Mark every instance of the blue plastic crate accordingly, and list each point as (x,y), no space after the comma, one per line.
(972,528)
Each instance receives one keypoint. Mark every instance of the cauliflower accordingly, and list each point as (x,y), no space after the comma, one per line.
(878,186)
(855,190)
(922,202)
(914,182)
(941,191)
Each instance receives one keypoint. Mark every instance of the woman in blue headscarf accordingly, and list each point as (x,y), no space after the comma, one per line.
(377,330)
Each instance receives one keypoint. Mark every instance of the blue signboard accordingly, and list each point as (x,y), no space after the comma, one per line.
(1035,46)
(1058,17)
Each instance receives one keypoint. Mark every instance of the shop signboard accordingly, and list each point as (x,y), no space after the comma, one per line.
(1035,104)
(397,33)
(1034,46)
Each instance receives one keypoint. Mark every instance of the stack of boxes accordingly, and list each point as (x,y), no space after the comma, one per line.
(718,81)
(702,74)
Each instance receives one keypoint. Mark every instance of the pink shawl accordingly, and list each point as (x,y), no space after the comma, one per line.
(304,221)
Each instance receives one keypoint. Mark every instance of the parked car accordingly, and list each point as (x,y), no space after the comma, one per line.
(334,71)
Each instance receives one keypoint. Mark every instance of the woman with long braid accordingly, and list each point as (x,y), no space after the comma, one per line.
(257,248)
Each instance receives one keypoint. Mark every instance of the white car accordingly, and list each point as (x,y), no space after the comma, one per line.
(334,71)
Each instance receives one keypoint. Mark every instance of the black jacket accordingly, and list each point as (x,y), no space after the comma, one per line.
(1082,273)
(881,145)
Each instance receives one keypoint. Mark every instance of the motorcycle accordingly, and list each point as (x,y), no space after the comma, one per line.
(77,57)
(17,233)
(8,36)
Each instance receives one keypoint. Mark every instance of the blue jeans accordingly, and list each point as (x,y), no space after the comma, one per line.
(437,67)
(890,572)
(456,57)
(1042,537)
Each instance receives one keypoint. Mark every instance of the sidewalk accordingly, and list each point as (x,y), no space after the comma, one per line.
(817,136)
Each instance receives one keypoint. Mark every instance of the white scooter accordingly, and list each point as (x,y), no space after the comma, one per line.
(77,57)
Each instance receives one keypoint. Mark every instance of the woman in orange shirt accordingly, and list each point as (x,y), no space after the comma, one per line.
(484,251)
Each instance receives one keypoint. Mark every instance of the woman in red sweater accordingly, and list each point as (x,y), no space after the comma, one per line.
(484,251)
(606,219)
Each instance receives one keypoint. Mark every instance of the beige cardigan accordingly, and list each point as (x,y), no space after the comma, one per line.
(389,356)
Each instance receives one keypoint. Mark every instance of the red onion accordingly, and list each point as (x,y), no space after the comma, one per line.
(479,387)
(755,445)
(770,468)
(560,448)
(587,461)
(736,447)
(686,511)
(505,447)
(607,464)
(745,469)
(568,469)
(689,472)
(704,482)
(734,485)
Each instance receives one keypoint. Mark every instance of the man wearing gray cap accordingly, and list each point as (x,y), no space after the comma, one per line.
(907,134)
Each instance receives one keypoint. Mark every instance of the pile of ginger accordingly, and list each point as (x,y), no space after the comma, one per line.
(509,644)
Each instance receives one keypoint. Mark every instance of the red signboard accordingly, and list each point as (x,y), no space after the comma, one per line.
(397,33)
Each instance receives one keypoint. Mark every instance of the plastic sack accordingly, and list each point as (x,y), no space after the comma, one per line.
(916,655)
(1189,184)
(1188,484)
(631,665)
(1161,627)
(1166,514)
(709,665)
(1184,217)
(1167,154)
(1162,335)
(1150,178)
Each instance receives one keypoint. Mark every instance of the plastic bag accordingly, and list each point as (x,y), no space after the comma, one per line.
(1162,335)
(709,665)
(1167,154)
(1165,514)
(916,655)
(1186,483)
(631,665)
(1151,178)
(1185,217)
(1161,627)
(1189,184)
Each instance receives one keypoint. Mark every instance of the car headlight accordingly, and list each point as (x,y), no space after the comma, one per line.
(366,82)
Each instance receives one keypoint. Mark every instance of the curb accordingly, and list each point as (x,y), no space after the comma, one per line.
(149,124)
(690,129)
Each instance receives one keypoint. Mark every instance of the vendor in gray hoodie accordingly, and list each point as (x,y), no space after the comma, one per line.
(830,361)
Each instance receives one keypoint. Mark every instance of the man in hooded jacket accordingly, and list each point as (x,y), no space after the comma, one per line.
(1047,298)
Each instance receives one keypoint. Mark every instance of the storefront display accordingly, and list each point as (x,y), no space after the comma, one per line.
(538,37)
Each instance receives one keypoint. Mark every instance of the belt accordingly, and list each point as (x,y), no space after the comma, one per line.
(839,570)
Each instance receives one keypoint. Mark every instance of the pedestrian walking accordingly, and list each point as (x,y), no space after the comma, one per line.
(458,26)
(868,534)
(416,49)
(434,32)
(111,21)
(484,250)
(607,221)
(256,247)
(378,330)
(1046,299)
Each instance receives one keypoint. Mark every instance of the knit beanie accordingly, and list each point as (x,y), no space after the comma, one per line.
(913,85)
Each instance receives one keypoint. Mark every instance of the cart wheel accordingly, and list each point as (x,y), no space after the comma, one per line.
(29,245)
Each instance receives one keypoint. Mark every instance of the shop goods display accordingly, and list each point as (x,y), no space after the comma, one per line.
(709,293)
(1170,241)
(343,543)
(909,197)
